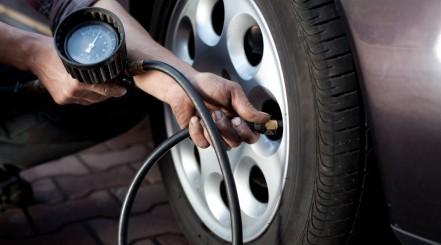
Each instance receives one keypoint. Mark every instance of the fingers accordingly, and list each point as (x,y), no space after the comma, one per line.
(197,133)
(87,94)
(108,90)
(94,93)
(233,132)
(226,129)
(244,132)
(244,108)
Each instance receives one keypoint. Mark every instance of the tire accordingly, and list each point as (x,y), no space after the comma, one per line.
(305,185)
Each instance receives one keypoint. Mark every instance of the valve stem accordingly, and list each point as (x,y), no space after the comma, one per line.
(269,128)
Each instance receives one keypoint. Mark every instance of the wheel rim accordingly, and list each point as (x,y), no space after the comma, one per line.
(231,38)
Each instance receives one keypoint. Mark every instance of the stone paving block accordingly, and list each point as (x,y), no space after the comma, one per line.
(70,235)
(45,191)
(146,198)
(157,222)
(97,149)
(164,240)
(172,239)
(69,165)
(49,218)
(79,186)
(140,134)
(105,229)
(99,162)
(131,138)
(153,176)
(13,223)
(145,242)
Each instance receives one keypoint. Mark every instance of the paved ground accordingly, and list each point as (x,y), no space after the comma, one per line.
(78,198)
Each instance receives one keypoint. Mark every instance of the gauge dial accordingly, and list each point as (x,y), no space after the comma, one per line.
(91,42)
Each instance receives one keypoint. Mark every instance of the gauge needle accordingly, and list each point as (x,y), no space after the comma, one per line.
(92,44)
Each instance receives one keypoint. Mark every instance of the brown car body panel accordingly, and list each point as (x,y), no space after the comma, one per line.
(397,44)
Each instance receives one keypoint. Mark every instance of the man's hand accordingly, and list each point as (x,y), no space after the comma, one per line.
(229,107)
(63,88)
(224,99)
(35,52)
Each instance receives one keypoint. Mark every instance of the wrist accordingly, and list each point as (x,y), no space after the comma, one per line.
(40,49)
(159,85)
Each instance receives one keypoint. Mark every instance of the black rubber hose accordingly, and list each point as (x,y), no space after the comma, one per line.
(154,157)
(217,143)
(7,90)
(12,89)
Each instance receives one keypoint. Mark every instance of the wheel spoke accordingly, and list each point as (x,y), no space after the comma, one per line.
(231,39)
(209,163)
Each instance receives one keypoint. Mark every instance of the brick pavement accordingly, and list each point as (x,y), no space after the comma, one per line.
(78,198)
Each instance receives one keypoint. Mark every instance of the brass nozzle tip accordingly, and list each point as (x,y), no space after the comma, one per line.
(271,127)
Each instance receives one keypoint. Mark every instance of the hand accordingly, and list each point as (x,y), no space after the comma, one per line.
(47,66)
(229,106)
(225,99)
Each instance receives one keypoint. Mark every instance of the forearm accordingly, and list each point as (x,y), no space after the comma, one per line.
(141,46)
(17,47)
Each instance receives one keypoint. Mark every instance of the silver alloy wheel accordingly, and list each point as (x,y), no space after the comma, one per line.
(210,34)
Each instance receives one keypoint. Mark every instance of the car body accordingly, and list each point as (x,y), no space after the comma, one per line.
(398,45)
(390,50)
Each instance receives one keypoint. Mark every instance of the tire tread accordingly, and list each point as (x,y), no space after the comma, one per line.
(341,172)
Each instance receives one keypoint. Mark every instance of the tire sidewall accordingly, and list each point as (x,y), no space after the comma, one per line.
(290,221)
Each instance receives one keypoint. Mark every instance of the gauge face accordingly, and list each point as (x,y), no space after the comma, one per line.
(91,42)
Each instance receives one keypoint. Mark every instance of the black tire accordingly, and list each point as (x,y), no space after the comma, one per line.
(329,153)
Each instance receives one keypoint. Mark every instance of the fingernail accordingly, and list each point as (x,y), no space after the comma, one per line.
(194,120)
(267,114)
(237,121)
(217,115)
(121,92)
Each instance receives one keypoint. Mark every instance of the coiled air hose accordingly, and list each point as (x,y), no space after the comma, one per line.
(269,128)
(217,143)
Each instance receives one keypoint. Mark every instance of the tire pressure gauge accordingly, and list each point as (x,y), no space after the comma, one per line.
(91,45)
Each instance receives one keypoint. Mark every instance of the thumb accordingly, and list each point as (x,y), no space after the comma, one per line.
(108,89)
(246,110)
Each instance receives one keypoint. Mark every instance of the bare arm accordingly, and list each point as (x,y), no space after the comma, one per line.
(16,46)
(34,52)
(224,98)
